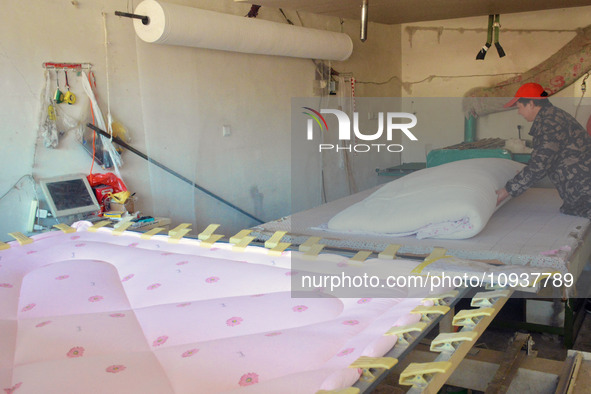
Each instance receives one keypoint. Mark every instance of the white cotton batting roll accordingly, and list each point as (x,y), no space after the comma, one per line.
(172,24)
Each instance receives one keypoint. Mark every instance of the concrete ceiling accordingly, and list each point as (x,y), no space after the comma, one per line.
(407,11)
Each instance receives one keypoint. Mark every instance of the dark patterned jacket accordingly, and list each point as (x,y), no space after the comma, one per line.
(561,150)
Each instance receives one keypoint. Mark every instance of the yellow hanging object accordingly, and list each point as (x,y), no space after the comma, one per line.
(69,97)
(120,197)
(51,112)
(119,131)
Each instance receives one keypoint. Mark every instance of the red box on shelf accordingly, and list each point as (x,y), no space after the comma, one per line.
(102,191)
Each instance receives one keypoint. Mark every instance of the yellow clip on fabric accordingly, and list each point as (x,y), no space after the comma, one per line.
(149,234)
(275,239)
(390,252)
(65,228)
(21,238)
(98,225)
(241,234)
(414,374)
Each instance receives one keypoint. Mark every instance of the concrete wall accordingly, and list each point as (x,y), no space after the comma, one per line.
(174,102)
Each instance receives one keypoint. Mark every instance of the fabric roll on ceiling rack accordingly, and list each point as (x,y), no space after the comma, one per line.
(172,24)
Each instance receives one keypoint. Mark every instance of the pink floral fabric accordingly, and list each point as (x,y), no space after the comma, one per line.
(92,314)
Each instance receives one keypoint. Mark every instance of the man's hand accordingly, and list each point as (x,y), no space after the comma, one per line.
(502,194)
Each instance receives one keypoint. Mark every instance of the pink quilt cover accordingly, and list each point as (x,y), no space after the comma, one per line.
(91,312)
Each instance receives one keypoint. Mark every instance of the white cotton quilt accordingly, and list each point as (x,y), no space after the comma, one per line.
(451,201)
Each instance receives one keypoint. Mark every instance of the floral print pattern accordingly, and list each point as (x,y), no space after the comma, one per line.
(273,334)
(115,368)
(160,340)
(124,299)
(248,379)
(75,352)
(13,388)
(234,321)
(345,352)
(189,353)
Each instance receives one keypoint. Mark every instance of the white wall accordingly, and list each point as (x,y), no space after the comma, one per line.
(439,61)
(174,102)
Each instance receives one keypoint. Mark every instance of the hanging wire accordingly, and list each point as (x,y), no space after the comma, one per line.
(28,176)
(109,130)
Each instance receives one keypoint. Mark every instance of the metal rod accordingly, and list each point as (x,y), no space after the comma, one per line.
(176,174)
(144,18)
(364,20)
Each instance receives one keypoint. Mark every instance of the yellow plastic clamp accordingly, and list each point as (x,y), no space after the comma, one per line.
(181,228)
(21,238)
(65,228)
(309,243)
(244,241)
(4,246)
(348,390)
(488,298)
(149,234)
(447,342)
(275,239)
(389,252)
(277,250)
(425,311)
(403,332)
(436,254)
(360,257)
(365,363)
(241,234)
(468,317)
(419,374)
(175,235)
(439,299)
(208,232)
(98,225)
(119,229)
(314,251)
(208,243)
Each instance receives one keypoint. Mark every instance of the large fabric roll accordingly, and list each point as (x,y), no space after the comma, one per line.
(171,24)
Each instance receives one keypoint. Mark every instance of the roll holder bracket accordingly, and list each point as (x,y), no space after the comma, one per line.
(145,19)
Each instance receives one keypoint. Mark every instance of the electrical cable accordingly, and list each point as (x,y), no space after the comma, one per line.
(17,182)
(172,172)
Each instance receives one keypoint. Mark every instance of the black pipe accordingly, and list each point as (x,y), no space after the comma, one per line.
(144,18)
(182,178)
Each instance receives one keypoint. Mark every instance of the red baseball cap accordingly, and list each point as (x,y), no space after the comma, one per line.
(528,90)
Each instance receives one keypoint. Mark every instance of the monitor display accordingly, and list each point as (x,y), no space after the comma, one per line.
(69,195)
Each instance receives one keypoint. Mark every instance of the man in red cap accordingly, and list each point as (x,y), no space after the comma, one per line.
(561,150)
